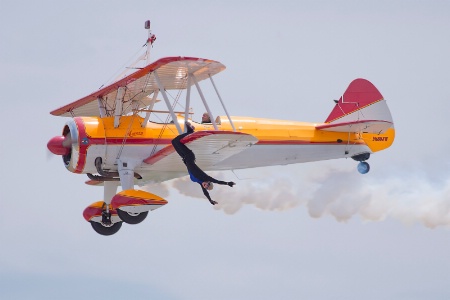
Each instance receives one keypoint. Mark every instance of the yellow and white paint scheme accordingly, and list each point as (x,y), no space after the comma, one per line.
(277,142)
(111,139)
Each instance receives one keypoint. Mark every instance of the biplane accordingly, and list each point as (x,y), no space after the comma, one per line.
(112,139)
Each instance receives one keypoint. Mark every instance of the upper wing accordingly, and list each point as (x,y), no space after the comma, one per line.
(210,148)
(172,72)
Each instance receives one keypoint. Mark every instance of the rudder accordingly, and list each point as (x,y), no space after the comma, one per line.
(360,102)
(363,110)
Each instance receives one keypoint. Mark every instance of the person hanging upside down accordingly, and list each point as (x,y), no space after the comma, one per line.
(196,174)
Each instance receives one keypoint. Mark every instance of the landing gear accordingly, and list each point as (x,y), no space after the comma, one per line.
(103,219)
(128,206)
(363,167)
(104,229)
(132,218)
(106,226)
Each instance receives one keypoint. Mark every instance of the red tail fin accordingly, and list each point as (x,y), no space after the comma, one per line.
(363,110)
(359,95)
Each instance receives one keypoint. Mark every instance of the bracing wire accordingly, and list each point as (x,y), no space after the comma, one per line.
(176,101)
(122,67)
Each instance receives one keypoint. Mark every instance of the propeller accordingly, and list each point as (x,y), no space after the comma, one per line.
(60,145)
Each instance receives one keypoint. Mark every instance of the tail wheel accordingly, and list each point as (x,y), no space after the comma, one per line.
(363,167)
(132,218)
(102,229)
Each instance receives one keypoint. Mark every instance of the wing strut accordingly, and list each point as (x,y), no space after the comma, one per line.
(188,99)
(101,107)
(166,99)
(150,108)
(223,105)
(204,102)
(118,110)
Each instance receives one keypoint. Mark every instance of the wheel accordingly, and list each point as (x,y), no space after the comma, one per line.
(106,230)
(132,218)
(363,167)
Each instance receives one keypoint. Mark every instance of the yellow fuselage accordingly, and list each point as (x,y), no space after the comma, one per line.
(279,142)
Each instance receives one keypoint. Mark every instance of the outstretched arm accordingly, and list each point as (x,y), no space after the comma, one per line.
(198,173)
(205,192)
(229,183)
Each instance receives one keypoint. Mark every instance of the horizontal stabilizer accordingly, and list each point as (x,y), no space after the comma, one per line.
(366,126)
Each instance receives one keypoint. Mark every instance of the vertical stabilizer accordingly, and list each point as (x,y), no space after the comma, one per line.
(363,110)
(360,102)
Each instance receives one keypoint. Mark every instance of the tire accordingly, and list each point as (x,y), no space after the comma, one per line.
(132,218)
(106,230)
(363,167)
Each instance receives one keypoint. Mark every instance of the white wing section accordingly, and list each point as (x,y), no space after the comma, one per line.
(209,147)
(135,88)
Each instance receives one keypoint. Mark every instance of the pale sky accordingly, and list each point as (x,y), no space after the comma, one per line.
(307,231)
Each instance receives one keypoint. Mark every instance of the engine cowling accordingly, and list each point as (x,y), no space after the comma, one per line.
(73,145)
(85,141)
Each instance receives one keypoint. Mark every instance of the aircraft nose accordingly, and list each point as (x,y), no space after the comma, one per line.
(59,145)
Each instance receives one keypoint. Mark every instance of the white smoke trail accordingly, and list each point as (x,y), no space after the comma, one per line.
(270,193)
(341,193)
